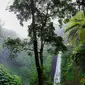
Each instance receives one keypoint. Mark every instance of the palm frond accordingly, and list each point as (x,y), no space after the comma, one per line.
(71,27)
(73,33)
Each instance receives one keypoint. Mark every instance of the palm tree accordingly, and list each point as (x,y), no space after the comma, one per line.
(76,28)
(76,35)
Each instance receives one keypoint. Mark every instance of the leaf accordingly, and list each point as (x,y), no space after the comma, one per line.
(71,27)
(82,36)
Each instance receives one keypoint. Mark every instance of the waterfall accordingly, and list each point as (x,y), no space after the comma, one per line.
(57,70)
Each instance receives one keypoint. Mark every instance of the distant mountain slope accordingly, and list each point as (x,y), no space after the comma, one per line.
(4,52)
(7,33)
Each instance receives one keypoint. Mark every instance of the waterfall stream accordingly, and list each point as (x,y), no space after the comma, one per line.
(57,70)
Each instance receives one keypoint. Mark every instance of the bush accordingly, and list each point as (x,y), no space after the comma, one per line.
(7,79)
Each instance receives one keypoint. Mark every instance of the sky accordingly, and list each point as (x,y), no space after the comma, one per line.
(10,21)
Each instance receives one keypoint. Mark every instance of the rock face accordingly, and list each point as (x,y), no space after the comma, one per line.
(54,61)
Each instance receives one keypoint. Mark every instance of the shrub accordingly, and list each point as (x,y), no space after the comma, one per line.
(7,79)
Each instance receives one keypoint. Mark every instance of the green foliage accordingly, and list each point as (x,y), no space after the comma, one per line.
(34,79)
(47,70)
(73,61)
(82,36)
(26,67)
(79,56)
(17,45)
(76,27)
(7,79)
(82,79)
(67,67)
(76,36)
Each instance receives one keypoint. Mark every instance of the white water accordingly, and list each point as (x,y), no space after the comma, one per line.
(58,70)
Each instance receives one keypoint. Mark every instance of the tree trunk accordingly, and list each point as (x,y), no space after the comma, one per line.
(41,54)
(39,70)
(41,60)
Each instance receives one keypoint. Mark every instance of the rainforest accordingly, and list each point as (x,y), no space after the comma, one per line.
(42,42)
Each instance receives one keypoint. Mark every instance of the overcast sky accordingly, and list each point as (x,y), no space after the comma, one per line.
(10,20)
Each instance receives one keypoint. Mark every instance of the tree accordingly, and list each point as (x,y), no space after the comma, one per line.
(76,29)
(41,30)
(76,35)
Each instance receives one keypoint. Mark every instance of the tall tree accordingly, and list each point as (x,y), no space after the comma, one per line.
(41,30)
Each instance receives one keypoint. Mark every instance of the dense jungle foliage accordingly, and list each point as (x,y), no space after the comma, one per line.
(29,61)
(73,61)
